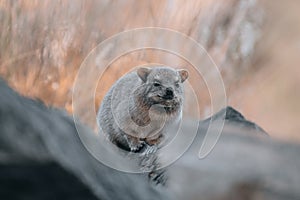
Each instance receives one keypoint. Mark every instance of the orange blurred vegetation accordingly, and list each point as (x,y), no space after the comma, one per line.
(43,43)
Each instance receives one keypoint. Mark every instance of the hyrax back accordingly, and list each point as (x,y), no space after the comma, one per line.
(142,106)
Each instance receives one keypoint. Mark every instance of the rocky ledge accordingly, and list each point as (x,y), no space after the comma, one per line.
(42,157)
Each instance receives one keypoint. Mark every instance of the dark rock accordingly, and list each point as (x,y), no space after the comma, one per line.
(232,116)
(245,163)
(42,157)
(40,180)
(33,133)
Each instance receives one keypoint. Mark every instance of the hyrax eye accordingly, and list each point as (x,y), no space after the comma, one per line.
(156,84)
(177,84)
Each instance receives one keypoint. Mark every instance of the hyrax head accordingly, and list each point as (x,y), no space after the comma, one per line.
(163,85)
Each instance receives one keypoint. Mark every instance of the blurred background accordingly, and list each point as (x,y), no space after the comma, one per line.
(255,44)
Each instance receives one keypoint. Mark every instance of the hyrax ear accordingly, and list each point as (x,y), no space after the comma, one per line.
(184,74)
(143,73)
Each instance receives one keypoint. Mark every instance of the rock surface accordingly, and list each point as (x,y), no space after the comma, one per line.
(42,157)
(40,149)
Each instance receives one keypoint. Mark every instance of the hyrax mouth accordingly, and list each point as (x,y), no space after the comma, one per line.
(167,103)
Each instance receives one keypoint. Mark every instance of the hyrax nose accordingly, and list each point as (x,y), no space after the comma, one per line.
(169,94)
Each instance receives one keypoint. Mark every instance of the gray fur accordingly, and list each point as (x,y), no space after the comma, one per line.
(142,106)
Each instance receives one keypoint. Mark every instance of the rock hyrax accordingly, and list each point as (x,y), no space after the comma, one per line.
(142,106)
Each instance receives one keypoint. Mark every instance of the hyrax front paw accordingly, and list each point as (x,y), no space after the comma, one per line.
(135,144)
(150,149)
(136,147)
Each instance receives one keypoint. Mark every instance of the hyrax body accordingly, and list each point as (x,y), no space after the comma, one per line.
(142,106)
